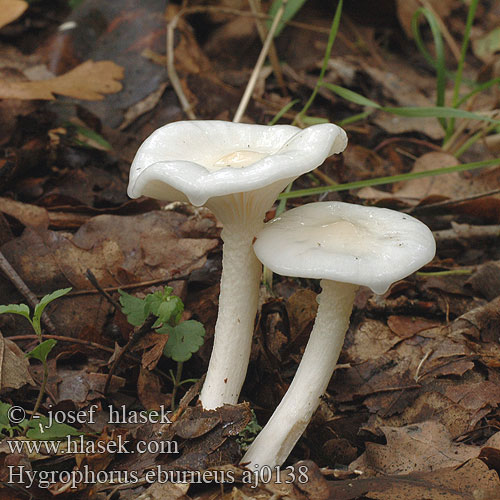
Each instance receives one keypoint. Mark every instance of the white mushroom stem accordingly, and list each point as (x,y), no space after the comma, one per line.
(239,292)
(277,439)
(242,216)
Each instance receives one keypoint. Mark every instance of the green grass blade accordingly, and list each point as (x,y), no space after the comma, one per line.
(291,8)
(379,181)
(463,52)
(412,112)
(331,39)
(440,62)
(355,118)
(479,88)
(438,112)
(282,111)
(351,96)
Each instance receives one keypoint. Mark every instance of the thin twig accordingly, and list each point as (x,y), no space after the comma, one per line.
(273,54)
(91,277)
(41,393)
(134,338)
(172,73)
(258,65)
(447,203)
(86,343)
(21,286)
(130,286)
(412,140)
(62,338)
(419,367)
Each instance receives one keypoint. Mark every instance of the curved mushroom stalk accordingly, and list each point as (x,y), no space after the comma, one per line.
(239,292)
(346,246)
(290,419)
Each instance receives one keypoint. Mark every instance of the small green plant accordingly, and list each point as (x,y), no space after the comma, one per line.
(184,337)
(42,350)
(249,433)
(40,427)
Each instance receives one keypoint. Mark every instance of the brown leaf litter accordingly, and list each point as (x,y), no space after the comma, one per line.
(10,10)
(89,81)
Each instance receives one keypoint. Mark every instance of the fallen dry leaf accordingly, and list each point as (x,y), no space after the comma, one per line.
(486,280)
(210,435)
(165,491)
(28,215)
(407,326)
(471,481)
(413,191)
(117,249)
(149,390)
(406,9)
(370,341)
(81,386)
(415,448)
(10,10)
(14,366)
(89,81)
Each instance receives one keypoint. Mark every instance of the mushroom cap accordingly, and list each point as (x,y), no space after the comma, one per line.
(343,242)
(198,160)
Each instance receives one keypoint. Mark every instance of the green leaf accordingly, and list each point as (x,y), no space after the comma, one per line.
(21,309)
(133,307)
(166,306)
(292,7)
(282,111)
(379,181)
(41,351)
(249,433)
(38,428)
(440,63)
(438,112)
(170,311)
(93,136)
(351,96)
(414,112)
(44,302)
(313,120)
(184,339)
(328,52)
(4,416)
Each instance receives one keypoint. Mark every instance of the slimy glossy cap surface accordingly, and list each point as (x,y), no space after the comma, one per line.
(197,160)
(349,243)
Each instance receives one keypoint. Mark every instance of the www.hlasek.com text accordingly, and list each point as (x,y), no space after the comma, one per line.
(80,445)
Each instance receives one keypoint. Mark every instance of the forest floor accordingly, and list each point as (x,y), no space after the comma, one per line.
(412,409)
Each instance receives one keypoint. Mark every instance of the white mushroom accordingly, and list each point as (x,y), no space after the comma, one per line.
(345,246)
(237,170)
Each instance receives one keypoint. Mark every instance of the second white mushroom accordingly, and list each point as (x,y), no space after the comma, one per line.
(345,246)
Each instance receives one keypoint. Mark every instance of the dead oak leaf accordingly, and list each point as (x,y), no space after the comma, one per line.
(408,326)
(170,491)
(10,10)
(471,481)
(371,340)
(28,215)
(88,81)
(422,447)
(14,366)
